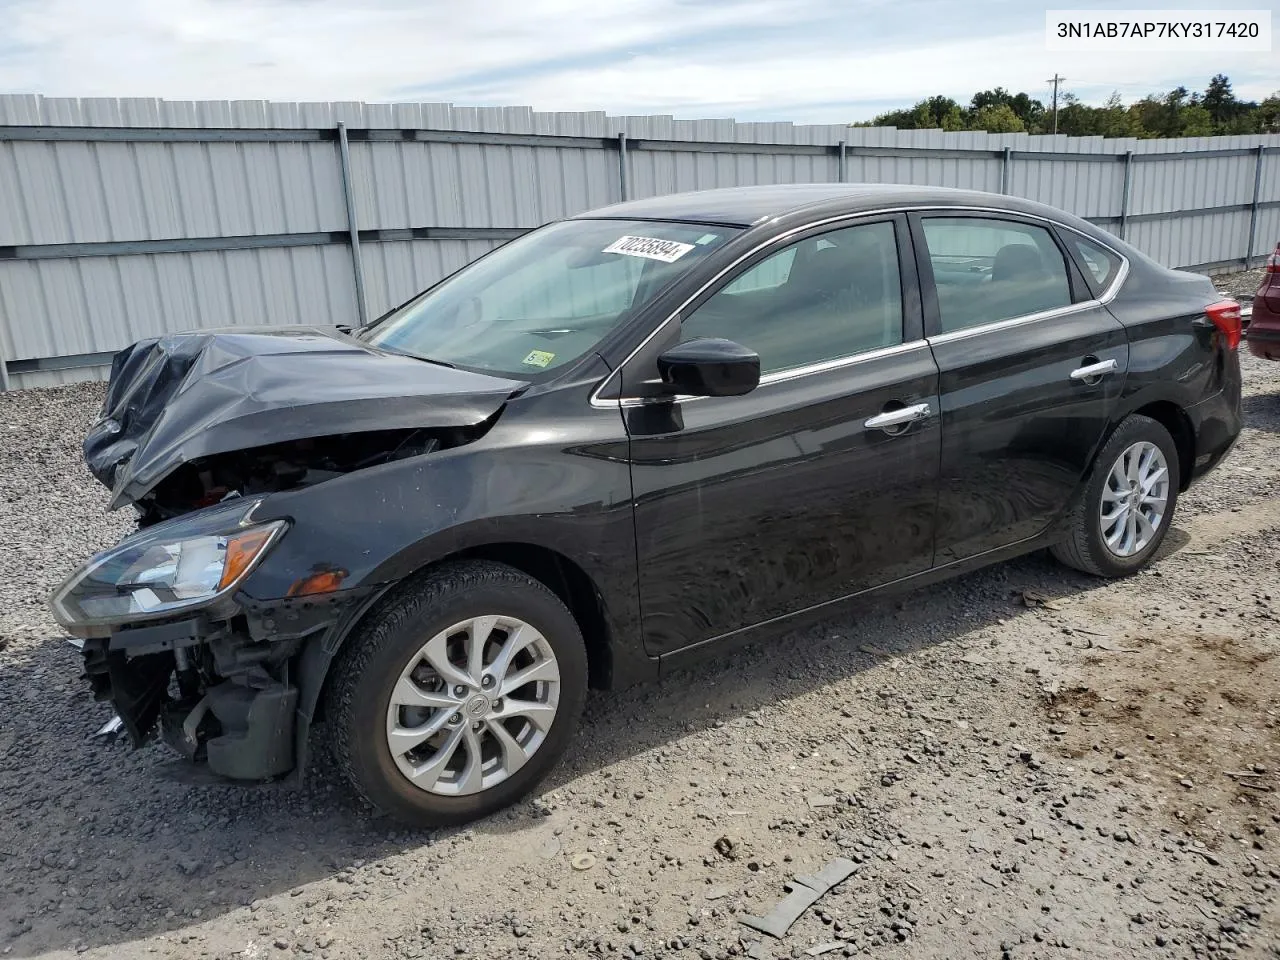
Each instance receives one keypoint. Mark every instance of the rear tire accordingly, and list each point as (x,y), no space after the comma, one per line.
(1128,503)
(411,671)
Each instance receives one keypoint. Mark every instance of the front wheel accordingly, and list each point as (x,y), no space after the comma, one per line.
(1128,502)
(459,696)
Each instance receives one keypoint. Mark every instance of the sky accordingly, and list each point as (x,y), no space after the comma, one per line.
(809,61)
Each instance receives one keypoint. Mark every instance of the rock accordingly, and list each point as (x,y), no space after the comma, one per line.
(728,848)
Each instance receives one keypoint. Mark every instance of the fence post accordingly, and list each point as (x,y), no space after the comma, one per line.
(623,186)
(349,194)
(1253,207)
(1004,169)
(842,171)
(1124,193)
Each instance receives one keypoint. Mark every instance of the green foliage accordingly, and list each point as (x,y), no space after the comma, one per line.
(998,118)
(1176,113)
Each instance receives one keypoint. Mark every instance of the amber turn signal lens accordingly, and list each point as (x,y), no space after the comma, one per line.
(327,581)
(242,550)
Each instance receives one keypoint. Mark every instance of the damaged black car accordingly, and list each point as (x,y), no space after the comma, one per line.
(619,442)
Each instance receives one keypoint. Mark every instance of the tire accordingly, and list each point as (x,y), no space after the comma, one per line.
(1084,546)
(375,662)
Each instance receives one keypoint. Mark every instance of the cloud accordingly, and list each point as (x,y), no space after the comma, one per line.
(804,60)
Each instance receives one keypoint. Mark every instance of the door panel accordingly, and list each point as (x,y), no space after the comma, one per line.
(1019,432)
(750,508)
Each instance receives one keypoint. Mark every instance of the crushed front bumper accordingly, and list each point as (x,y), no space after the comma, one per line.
(230,695)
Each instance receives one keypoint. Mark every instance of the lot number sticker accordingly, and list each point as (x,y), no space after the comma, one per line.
(651,248)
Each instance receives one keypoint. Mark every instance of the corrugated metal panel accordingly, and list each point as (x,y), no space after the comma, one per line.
(52,308)
(70,192)
(1190,240)
(394,272)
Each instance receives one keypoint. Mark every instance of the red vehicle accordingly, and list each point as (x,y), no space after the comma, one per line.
(1264,327)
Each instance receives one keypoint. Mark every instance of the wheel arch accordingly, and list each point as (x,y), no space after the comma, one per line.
(1174,418)
(560,574)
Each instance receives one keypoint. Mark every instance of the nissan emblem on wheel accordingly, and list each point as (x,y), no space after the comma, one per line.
(606,448)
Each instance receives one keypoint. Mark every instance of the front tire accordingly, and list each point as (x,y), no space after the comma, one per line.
(458,696)
(1128,503)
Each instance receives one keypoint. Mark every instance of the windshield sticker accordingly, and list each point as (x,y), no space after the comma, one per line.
(538,358)
(651,248)
(707,238)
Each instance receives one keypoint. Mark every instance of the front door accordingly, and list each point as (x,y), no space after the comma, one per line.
(821,482)
(1031,370)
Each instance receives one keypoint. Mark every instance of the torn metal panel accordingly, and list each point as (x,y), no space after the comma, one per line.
(176,399)
(803,892)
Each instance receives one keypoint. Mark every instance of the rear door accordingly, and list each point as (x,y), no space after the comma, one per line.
(819,483)
(1031,369)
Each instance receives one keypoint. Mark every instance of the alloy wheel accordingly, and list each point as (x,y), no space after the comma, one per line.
(473,705)
(1134,499)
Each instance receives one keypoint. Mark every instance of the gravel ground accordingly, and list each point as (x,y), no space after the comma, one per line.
(1243,284)
(1023,763)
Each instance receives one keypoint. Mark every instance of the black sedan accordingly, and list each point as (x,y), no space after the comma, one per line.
(620,441)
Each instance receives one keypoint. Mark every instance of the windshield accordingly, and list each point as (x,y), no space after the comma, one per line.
(547,298)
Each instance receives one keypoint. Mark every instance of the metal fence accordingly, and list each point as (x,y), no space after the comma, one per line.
(121,219)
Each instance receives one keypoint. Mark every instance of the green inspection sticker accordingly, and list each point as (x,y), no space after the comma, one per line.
(538,358)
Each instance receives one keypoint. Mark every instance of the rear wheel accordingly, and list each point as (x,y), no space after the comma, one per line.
(1128,502)
(460,696)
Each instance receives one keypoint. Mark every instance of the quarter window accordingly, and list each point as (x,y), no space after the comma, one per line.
(822,298)
(1101,264)
(990,270)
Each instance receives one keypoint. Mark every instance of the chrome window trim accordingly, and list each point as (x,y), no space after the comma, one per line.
(1106,298)
(778,376)
(822,366)
(1014,321)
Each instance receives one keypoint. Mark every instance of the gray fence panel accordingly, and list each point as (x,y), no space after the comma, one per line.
(103,303)
(240,213)
(394,272)
(1204,239)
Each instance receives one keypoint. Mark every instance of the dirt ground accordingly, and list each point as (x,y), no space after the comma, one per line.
(1025,762)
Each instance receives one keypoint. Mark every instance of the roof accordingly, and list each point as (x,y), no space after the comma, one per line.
(744,206)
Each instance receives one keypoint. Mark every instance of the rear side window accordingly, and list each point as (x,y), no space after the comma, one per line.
(986,270)
(1100,264)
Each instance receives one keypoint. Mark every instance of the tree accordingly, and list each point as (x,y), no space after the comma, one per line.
(1196,121)
(1030,112)
(1220,100)
(1175,113)
(1269,114)
(955,119)
(997,119)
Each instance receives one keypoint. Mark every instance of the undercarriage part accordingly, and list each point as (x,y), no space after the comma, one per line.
(136,687)
(257,739)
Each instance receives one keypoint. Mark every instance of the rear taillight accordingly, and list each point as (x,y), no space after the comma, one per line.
(1225,315)
(1273,262)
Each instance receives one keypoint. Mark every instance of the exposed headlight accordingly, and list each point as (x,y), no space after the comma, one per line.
(189,562)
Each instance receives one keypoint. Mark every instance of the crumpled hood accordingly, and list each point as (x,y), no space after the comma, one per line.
(175,399)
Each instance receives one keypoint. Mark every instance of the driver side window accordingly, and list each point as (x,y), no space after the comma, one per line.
(825,297)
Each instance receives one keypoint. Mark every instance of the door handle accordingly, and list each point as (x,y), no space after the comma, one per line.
(1093,371)
(898,418)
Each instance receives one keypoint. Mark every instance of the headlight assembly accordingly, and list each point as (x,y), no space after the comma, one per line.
(193,561)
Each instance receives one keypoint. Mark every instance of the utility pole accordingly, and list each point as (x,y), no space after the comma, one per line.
(1055,81)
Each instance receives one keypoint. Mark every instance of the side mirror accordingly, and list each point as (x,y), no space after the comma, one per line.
(709,367)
